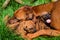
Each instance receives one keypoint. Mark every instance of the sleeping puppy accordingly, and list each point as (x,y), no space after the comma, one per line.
(25,28)
(24,13)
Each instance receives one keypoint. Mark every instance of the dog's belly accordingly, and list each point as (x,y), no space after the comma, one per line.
(55,17)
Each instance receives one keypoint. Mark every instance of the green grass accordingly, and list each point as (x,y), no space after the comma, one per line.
(6,33)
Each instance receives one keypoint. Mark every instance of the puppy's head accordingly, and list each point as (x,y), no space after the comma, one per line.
(24,12)
(46,17)
(29,27)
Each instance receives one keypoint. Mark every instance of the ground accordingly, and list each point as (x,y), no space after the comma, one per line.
(6,33)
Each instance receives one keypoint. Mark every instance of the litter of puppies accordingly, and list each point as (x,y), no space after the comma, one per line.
(31,22)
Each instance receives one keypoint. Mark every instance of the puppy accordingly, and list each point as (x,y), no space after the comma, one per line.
(24,13)
(25,28)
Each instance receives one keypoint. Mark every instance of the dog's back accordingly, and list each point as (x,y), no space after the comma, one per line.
(55,16)
(43,8)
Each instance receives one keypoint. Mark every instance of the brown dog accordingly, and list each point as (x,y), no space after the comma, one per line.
(24,13)
(25,28)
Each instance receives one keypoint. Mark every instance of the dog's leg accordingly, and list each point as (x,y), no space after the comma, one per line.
(49,32)
(25,36)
